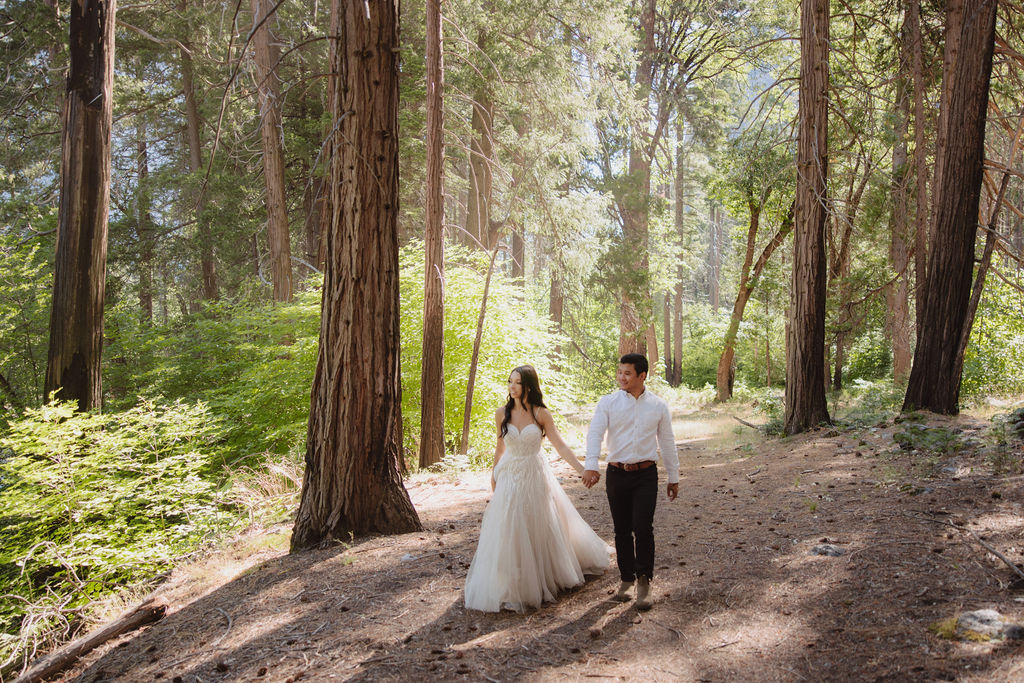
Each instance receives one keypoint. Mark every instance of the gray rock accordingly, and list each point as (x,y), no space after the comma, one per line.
(828,550)
(986,624)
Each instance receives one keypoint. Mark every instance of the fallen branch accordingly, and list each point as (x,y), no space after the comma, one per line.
(64,657)
(977,538)
(748,424)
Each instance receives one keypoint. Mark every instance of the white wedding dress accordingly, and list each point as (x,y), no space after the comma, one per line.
(533,543)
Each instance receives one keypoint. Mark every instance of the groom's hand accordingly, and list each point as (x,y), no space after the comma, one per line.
(590,477)
(672,491)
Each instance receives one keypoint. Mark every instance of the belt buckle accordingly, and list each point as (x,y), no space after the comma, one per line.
(631,467)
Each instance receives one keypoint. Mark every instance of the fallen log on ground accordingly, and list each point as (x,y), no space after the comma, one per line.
(64,657)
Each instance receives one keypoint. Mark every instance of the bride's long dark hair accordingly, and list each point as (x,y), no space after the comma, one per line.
(531,394)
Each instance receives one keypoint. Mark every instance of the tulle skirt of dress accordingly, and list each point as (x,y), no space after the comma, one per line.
(533,542)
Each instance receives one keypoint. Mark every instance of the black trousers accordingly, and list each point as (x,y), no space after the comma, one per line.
(632,497)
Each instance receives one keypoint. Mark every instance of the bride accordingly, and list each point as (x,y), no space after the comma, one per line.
(533,542)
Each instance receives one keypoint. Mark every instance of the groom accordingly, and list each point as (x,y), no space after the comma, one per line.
(637,423)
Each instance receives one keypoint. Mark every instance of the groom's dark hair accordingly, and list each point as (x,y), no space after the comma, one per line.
(637,360)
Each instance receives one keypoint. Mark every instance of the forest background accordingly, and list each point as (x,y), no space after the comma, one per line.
(616,176)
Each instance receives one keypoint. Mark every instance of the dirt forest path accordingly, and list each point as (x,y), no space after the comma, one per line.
(741,594)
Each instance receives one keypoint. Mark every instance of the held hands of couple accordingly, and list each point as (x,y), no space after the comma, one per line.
(590,477)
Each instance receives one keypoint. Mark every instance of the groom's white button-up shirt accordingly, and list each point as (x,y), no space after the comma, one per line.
(636,428)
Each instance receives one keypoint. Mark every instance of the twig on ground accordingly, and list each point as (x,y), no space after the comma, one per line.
(748,424)
(977,538)
(720,646)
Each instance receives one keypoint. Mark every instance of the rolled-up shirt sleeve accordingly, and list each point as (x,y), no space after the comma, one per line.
(595,435)
(667,445)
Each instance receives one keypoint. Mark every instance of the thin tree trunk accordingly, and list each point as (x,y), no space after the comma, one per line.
(470,384)
(920,161)
(481,157)
(267,85)
(432,375)
(676,374)
(805,365)
(79,280)
(715,259)
(936,373)
(841,268)
(352,483)
(898,292)
(556,305)
(726,371)
(193,136)
(677,335)
(518,253)
(667,319)
(144,222)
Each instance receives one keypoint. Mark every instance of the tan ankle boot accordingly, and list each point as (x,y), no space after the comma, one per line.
(622,595)
(643,593)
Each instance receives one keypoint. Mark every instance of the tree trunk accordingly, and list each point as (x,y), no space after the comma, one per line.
(144,222)
(354,444)
(518,253)
(677,335)
(667,318)
(633,331)
(267,85)
(79,279)
(935,376)
(726,370)
(432,375)
(840,269)
(556,304)
(676,375)
(471,383)
(715,259)
(898,292)
(481,176)
(805,364)
(920,161)
(193,136)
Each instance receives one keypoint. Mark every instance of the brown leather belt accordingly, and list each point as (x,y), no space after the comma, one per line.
(632,466)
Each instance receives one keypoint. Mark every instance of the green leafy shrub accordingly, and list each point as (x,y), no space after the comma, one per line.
(920,437)
(95,502)
(994,358)
(252,365)
(514,333)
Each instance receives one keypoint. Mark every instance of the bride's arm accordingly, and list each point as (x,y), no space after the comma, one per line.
(551,431)
(499,447)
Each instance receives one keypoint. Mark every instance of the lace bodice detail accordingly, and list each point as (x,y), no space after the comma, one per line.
(525,442)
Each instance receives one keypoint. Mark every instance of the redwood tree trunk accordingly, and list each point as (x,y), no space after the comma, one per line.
(935,376)
(805,362)
(432,375)
(79,278)
(354,444)
(193,135)
(266,58)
